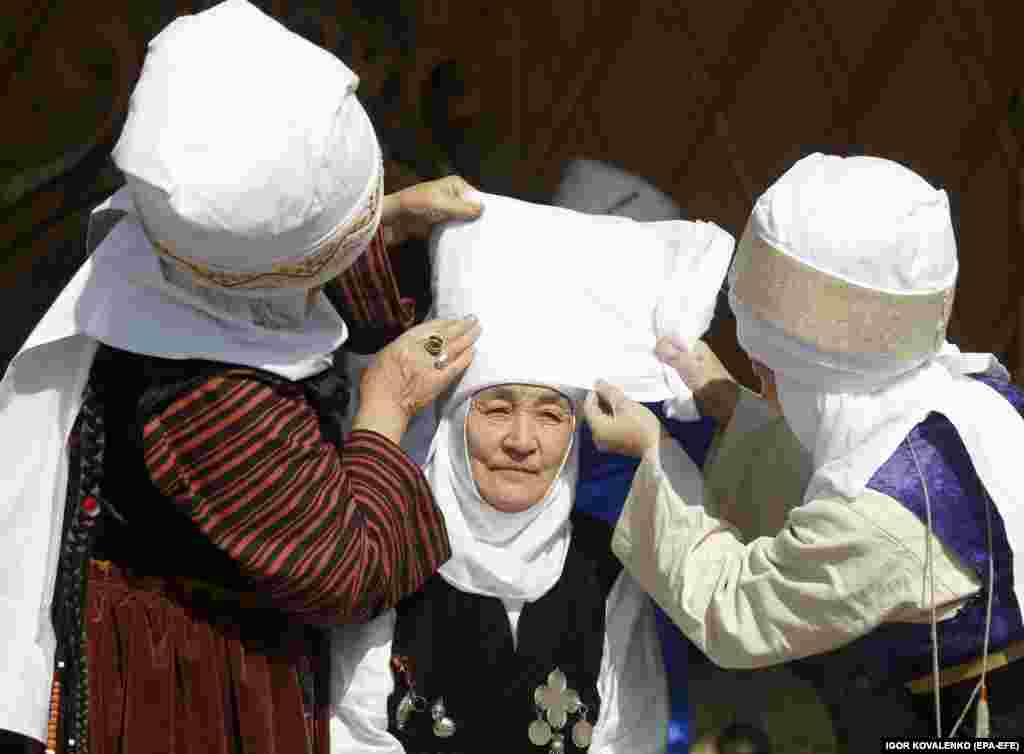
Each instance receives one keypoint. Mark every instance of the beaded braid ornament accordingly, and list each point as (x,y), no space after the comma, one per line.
(68,726)
(443,725)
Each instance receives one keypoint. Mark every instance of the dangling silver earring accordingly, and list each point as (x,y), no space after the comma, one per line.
(444,726)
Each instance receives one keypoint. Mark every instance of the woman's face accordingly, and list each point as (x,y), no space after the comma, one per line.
(517,436)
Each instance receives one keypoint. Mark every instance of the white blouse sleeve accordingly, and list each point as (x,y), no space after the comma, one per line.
(632,685)
(361,682)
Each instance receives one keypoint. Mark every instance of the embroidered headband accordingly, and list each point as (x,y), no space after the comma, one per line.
(835,315)
(331,256)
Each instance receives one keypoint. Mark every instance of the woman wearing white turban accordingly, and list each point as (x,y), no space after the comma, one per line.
(529,638)
(879,481)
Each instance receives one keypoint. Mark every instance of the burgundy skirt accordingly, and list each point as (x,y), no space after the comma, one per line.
(175,669)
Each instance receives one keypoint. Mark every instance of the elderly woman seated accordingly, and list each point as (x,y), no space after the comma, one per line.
(531,635)
(531,638)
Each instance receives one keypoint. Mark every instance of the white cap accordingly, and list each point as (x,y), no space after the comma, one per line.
(847,264)
(250,160)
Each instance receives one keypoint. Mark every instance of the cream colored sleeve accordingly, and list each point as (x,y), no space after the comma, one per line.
(828,574)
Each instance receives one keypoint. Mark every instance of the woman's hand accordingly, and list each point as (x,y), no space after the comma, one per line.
(618,424)
(714,389)
(405,376)
(413,211)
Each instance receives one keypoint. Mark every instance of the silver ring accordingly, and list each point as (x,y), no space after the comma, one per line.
(441,361)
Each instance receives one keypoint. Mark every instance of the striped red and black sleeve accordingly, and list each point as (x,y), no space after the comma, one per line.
(329,534)
(369,300)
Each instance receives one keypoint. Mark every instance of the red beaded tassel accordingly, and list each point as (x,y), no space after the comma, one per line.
(54,722)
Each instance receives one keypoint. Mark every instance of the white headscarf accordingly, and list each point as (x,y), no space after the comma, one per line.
(507,555)
(253,176)
(564,298)
(857,227)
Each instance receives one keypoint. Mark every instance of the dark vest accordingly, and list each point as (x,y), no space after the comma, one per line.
(460,648)
(145,531)
(114,512)
(898,652)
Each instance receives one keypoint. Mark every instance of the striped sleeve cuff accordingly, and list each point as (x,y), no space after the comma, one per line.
(380,471)
(369,300)
(328,534)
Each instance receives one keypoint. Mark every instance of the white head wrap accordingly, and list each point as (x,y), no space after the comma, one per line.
(564,298)
(842,285)
(253,176)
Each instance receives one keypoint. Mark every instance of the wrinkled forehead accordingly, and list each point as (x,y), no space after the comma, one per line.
(524,394)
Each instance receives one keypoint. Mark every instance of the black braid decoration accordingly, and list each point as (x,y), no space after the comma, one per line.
(81,520)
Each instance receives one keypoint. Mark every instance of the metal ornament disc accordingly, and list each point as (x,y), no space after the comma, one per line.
(444,728)
(573,702)
(557,745)
(582,733)
(437,710)
(557,680)
(539,697)
(539,733)
(405,709)
(556,716)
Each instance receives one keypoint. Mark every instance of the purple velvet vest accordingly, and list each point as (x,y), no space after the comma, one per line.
(897,652)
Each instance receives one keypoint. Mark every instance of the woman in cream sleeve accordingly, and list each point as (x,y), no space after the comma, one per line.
(877,483)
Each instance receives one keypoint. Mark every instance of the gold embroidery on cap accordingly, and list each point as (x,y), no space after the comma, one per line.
(333,250)
(833,315)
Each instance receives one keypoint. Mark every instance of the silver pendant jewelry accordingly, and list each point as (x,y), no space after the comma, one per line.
(557,717)
(582,733)
(539,733)
(555,698)
(557,744)
(573,702)
(411,702)
(555,701)
(444,726)
(437,709)
(405,709)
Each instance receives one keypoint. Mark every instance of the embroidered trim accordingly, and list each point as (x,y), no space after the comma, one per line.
(69,715)
(321,265)
(833,315)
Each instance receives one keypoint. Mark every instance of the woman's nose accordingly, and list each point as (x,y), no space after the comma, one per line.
(521,436)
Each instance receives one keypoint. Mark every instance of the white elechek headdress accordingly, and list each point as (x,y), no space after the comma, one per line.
(564,299)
